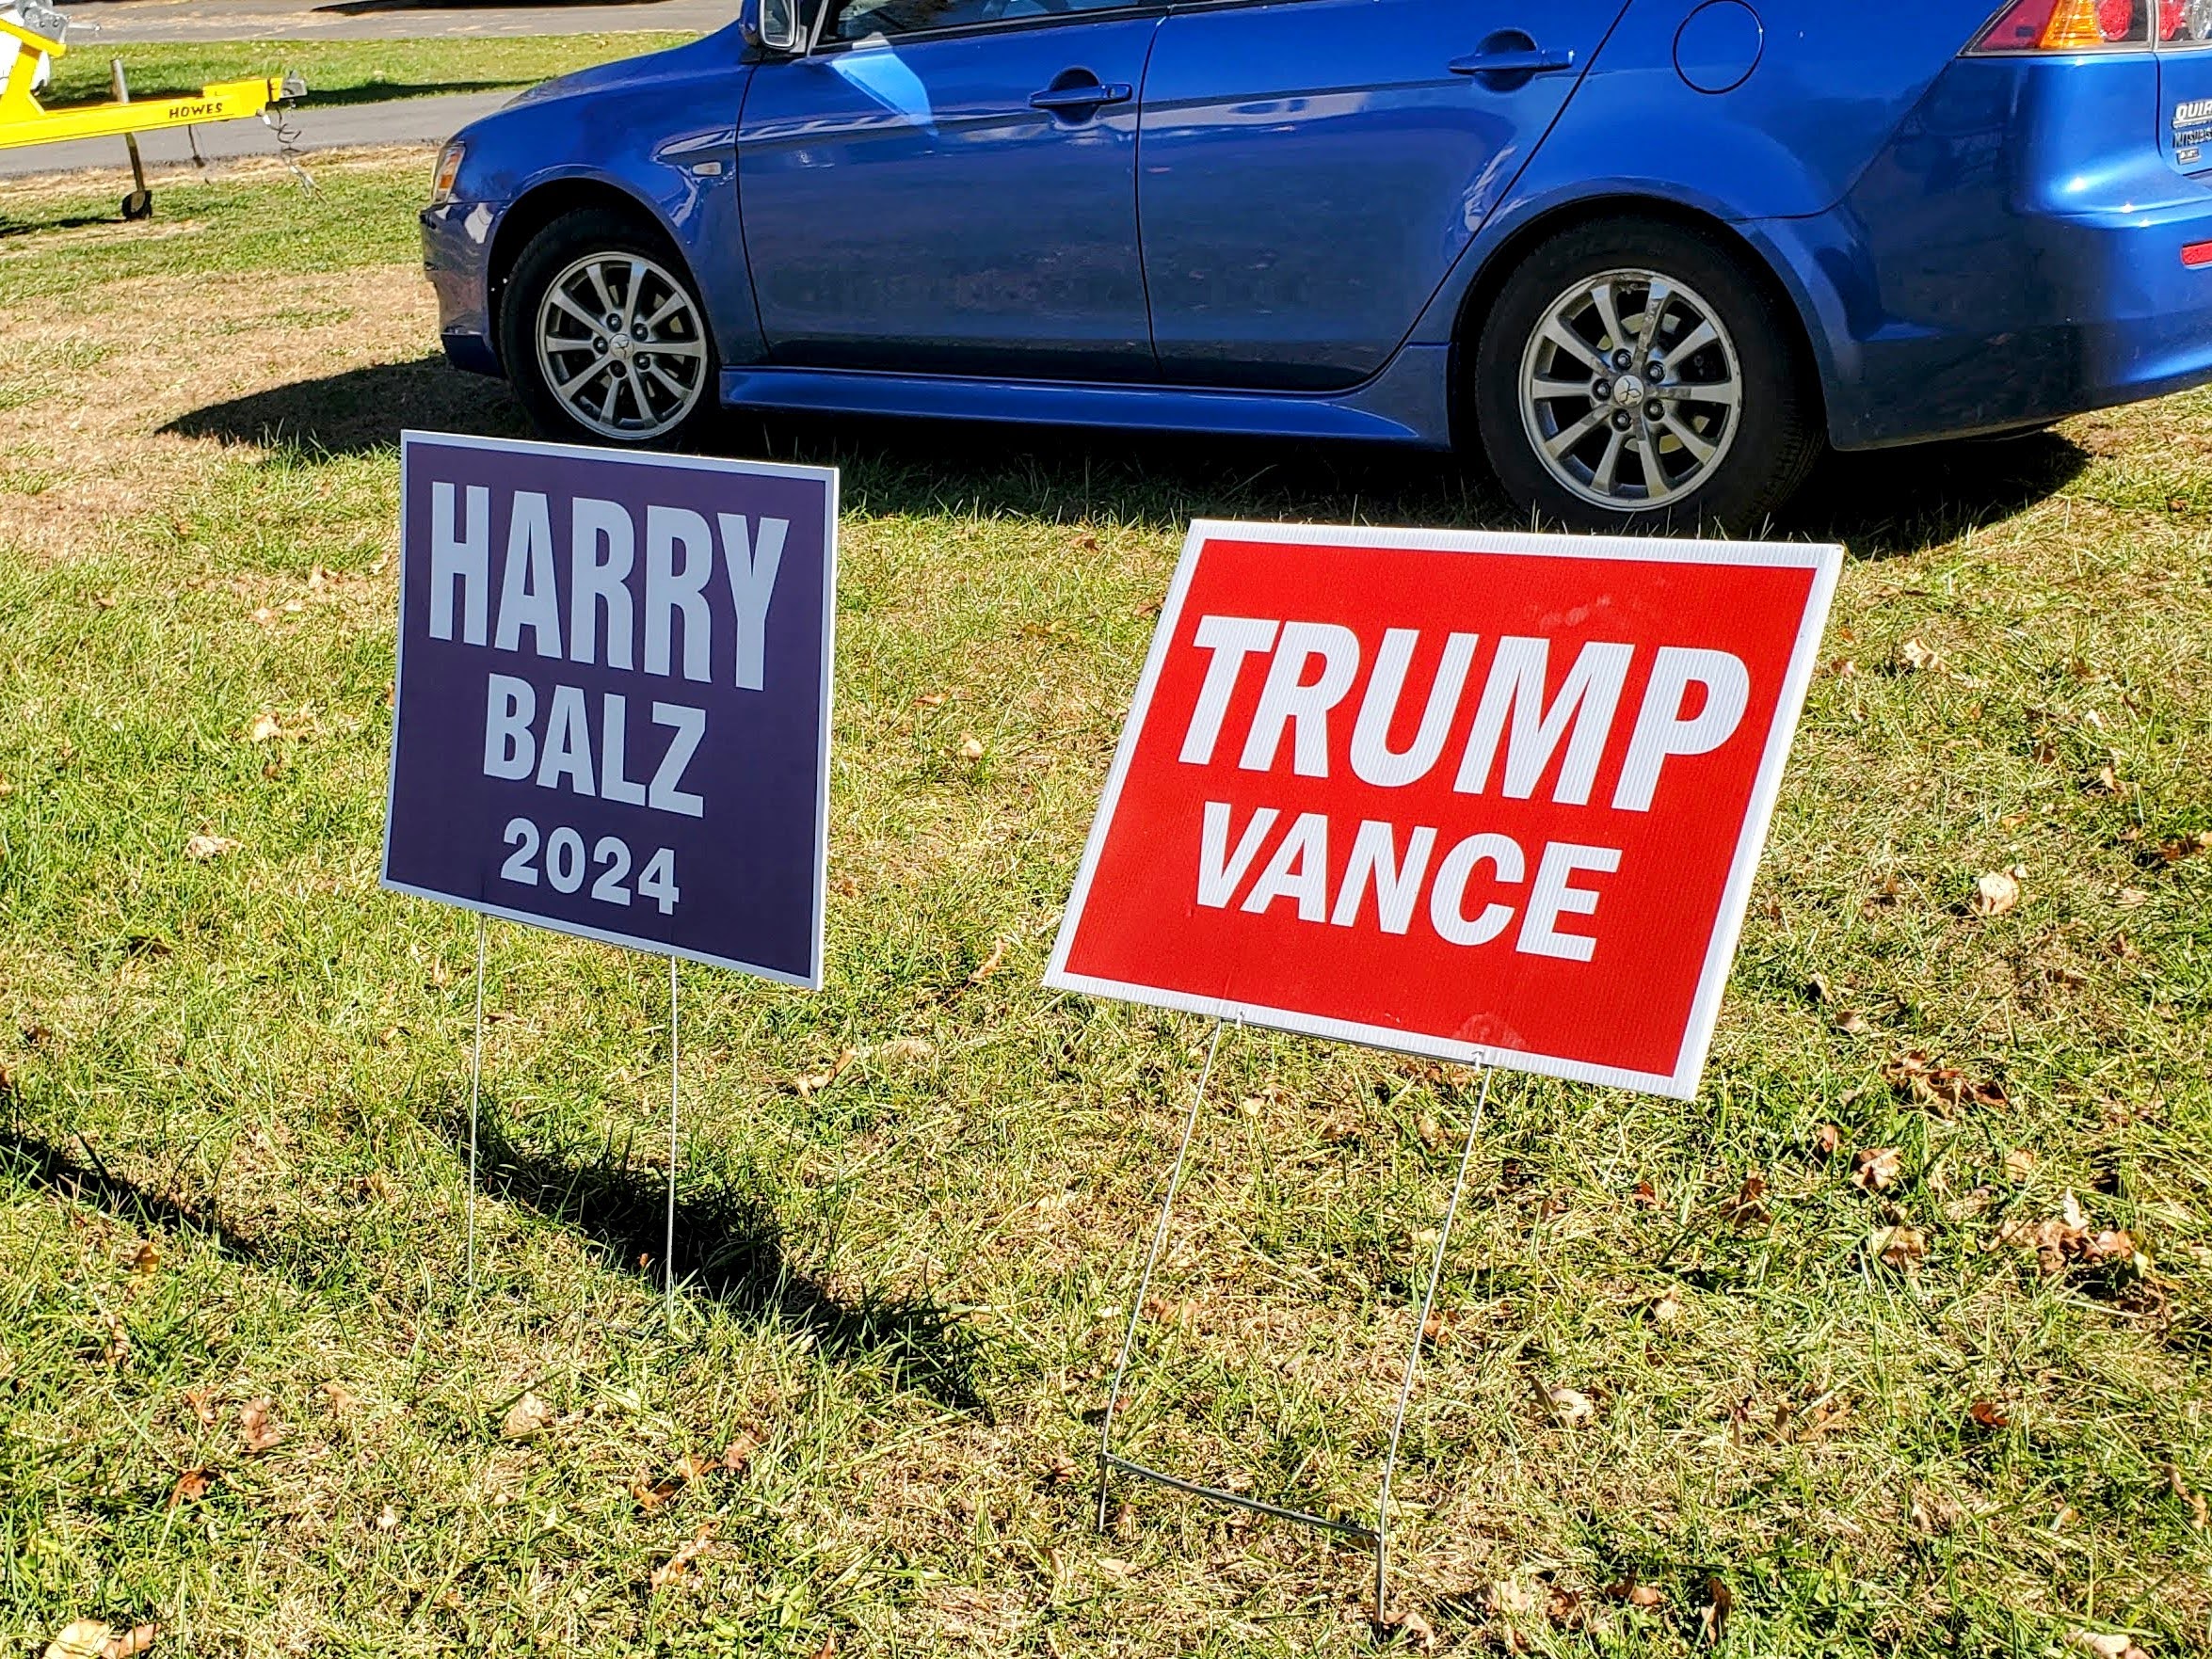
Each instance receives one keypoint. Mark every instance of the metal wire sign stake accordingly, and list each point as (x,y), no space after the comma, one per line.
(1376,1537)
(721,740)
(1494,800)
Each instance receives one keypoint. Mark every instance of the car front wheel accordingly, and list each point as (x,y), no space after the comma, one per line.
(603,336)
(1632,377)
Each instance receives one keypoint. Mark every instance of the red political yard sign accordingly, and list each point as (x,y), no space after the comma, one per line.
(1496,799)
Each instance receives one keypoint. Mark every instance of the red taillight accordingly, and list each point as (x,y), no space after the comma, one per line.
(2198,256)
(2074,25)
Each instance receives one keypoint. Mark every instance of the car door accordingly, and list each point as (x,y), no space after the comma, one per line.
(1311,168)
(950,186)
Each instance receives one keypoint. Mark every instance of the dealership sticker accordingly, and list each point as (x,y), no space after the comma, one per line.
(1496,799)
(612,706)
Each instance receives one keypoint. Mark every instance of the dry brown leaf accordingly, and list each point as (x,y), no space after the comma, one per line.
(191,1487)
(1062,1470)
(932,700)
(1405,1626)
(2177,848)
(1933,1513)
(386,1519)
(1876,1169)
(339,1398)
(1944,1087)
(828,1648)
(2101,1646)
(1635,1593)
(737,1456)
(265,728)
(650,1495)
(1827,1139)
(1851,1023)
(811,1083)
(527,1418)
(676,1572)
(129,1643)
(1666,1308)
(1713,1618)
(1988,1414)
(204,847)
(991,964)
(1748,1209)
(2068,1239)
(2020,1163)
(201,1402)
(2180,1488)
(1915,658)
(912,1049)
(1511,1598)
(971,746)
(256,1431)
(145,1258)
(81,1639)
(1901,1248)
(1998,893)
(1572,1407)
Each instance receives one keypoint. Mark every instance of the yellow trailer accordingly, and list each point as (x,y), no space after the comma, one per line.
(24,120)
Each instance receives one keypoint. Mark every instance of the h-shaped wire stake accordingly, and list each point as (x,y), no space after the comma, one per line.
(475,1096)
(1376,1537)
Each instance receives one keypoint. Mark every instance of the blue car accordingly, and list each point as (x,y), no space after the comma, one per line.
(1648,257)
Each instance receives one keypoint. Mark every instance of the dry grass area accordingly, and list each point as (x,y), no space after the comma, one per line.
(1895,1342)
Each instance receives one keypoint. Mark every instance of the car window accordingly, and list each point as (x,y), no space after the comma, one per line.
(861,19)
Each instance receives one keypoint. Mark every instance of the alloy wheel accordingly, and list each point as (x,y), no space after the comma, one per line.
(1631,391)
(621,343)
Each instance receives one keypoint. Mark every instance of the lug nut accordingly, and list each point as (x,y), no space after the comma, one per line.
(1655,412)
(1621,420)
(1622,360)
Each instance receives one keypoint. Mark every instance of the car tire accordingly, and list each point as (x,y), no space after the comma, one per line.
(1711,387)
(604,335)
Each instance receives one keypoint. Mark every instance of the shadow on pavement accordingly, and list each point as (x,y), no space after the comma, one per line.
(729,1248)
(396,91)
(1878,504)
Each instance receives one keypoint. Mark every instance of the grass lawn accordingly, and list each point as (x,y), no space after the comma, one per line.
(342,72)
(245,1393)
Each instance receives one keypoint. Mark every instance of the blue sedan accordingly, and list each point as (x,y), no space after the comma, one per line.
(1648,257)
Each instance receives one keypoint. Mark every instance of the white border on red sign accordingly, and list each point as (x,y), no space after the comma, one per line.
(1825,562)
(813,980)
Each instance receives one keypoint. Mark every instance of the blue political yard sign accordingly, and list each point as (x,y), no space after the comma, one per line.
(612,708)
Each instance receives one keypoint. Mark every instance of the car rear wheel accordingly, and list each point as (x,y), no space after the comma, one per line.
(1632,377)
(603,336)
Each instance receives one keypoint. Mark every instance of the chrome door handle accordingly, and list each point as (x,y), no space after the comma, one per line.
(1530,60)
(1090,95)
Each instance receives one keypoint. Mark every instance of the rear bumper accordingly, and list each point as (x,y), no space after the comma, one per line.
(2013,257)
(457,256)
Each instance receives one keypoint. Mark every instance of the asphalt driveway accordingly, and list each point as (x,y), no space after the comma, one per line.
(410,120)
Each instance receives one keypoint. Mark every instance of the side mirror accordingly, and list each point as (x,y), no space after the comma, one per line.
(773,25)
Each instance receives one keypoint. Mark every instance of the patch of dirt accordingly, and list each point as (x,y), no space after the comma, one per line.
(98,444)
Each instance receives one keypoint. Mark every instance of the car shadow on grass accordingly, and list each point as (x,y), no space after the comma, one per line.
(1878,505)
(360,410)
(728,1248)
